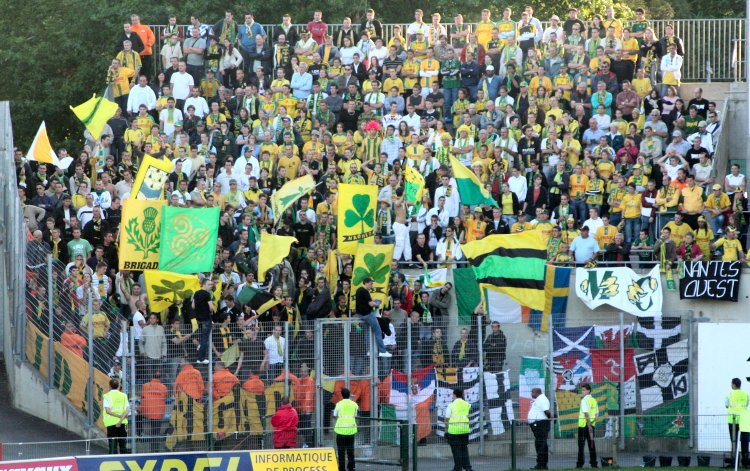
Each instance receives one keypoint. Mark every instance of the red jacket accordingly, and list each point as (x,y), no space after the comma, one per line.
(284,423)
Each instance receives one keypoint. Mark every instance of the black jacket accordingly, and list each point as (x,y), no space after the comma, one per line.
(502,227)
(264,56)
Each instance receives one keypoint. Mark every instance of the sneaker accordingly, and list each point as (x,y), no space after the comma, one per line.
(203,362)
(385,355)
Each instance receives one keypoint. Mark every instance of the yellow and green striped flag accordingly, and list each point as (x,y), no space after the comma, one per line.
(469,187)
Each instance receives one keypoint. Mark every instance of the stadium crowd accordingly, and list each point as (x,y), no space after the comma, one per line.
(577,130)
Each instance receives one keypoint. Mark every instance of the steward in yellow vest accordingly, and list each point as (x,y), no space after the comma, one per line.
(586,423)
(115,417)
(345,429)
(457,414)
(738,417)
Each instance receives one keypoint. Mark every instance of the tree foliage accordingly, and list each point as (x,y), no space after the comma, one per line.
(56,53)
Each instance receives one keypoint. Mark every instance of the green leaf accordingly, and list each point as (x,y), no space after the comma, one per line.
(174,285)
(361,203)
(380,275)
(351,218)
(359,275)
(161,289)
(369,218)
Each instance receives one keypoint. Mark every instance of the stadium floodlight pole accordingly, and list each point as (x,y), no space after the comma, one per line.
(50,326)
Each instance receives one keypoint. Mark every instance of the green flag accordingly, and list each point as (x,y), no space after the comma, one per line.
(465,283)
(469,187)
(188,241)
(668,420)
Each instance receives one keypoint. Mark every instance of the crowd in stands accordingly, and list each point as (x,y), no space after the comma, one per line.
(577,130)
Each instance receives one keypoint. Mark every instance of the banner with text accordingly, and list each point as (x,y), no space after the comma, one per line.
(714,279)
(621,288)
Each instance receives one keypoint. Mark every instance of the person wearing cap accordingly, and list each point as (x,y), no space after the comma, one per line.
(716,205)
(584,248)
(706,140)
(573,20)
(210,84)
(554,28)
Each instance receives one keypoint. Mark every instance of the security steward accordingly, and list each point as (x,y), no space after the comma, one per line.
(115,417)
(457,434)
(736,403)
(586,423)
(345,429)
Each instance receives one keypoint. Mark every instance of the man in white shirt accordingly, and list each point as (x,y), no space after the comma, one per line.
(448,190)
(247,158)
(139,95)
(169,116)
(594,222)
(273,359)
(199,103)
(584,248)
(518,184)
(411,119)
(538,418)
(181,82)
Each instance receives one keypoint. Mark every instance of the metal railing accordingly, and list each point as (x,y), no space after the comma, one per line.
(713,47)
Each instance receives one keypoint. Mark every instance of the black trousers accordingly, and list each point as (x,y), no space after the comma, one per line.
(744,440)
(540,429)
(459,444)
(345,446)
(584,436)
(117,438)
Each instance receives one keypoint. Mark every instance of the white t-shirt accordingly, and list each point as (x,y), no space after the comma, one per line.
(181,84)
(272,347)
(537,409)
(137,329)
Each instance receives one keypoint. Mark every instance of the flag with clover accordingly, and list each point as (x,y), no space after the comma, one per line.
(373,261)
(166,288)
(140,234)
(357,205)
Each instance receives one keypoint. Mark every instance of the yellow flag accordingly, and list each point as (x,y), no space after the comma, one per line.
(373,261)
(356,216)
(332,271)
(164,288)
(152,175)
(41,150)
(273,249)
(289,193)
(140,234)
(95,113)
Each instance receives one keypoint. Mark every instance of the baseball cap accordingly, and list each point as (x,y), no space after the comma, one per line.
(702,124)
(477,209)
(716,186)
(490,67)
(676,133)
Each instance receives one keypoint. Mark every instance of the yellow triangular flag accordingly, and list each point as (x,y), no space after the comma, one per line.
(288,194)
(95,113)
(273,249)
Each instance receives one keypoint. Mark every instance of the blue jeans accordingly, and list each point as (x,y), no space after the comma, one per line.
(509,220)
(615,218)
(372,321)
(204,334)
(579,210)
(632,226)
(451,95)
(646,225)
(717,223)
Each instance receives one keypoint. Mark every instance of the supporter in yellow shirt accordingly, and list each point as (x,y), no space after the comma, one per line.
(475,227)
(631,212)
(483,29)
(678,228)
(605,235)
(732,247)
(691,202)
(543,224)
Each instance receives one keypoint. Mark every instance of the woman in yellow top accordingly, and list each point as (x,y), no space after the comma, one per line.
(475,227)
(304,127)
(638,179)
(459,106)
(410,71)
(595,191)
(542,99)
(569,230)
(631,213)
(340,139)
(703,237)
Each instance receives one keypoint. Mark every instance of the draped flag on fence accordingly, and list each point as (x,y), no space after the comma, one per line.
(571,356)
(422,392)
(188,239)
(166,288)
(289,193)
(373,261)
(41,151)
(513,264)
(273,249)
(94,114)
(413,184)
(530,376)
(332,271)
(498,401)
(621,288)
(431,280)
(668,420)
(472,191)
(140,234)
(662,374)
(654,333)
(149,182)
(569,403)
(498,306)
(556,289)
(357,205)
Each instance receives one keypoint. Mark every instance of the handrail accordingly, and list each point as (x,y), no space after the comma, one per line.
(707,41)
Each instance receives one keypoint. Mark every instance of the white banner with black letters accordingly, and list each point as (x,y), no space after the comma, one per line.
(716,280)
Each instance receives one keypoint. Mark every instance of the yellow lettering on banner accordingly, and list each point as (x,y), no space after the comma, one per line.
(177,464)
(37,349)
(309,459)
(274,393)
(187,421)
(111,466)
(147,466)
(226,414)
(250,420)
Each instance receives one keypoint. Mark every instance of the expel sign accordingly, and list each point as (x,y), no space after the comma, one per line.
(716,280)
(56,464)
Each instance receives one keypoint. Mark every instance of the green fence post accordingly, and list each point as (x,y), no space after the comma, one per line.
(513,444)
(414,457)
(403,431)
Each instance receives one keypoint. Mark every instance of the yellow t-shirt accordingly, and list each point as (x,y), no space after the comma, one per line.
(605,235)
(731,247)
(631,206)
(678,231)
